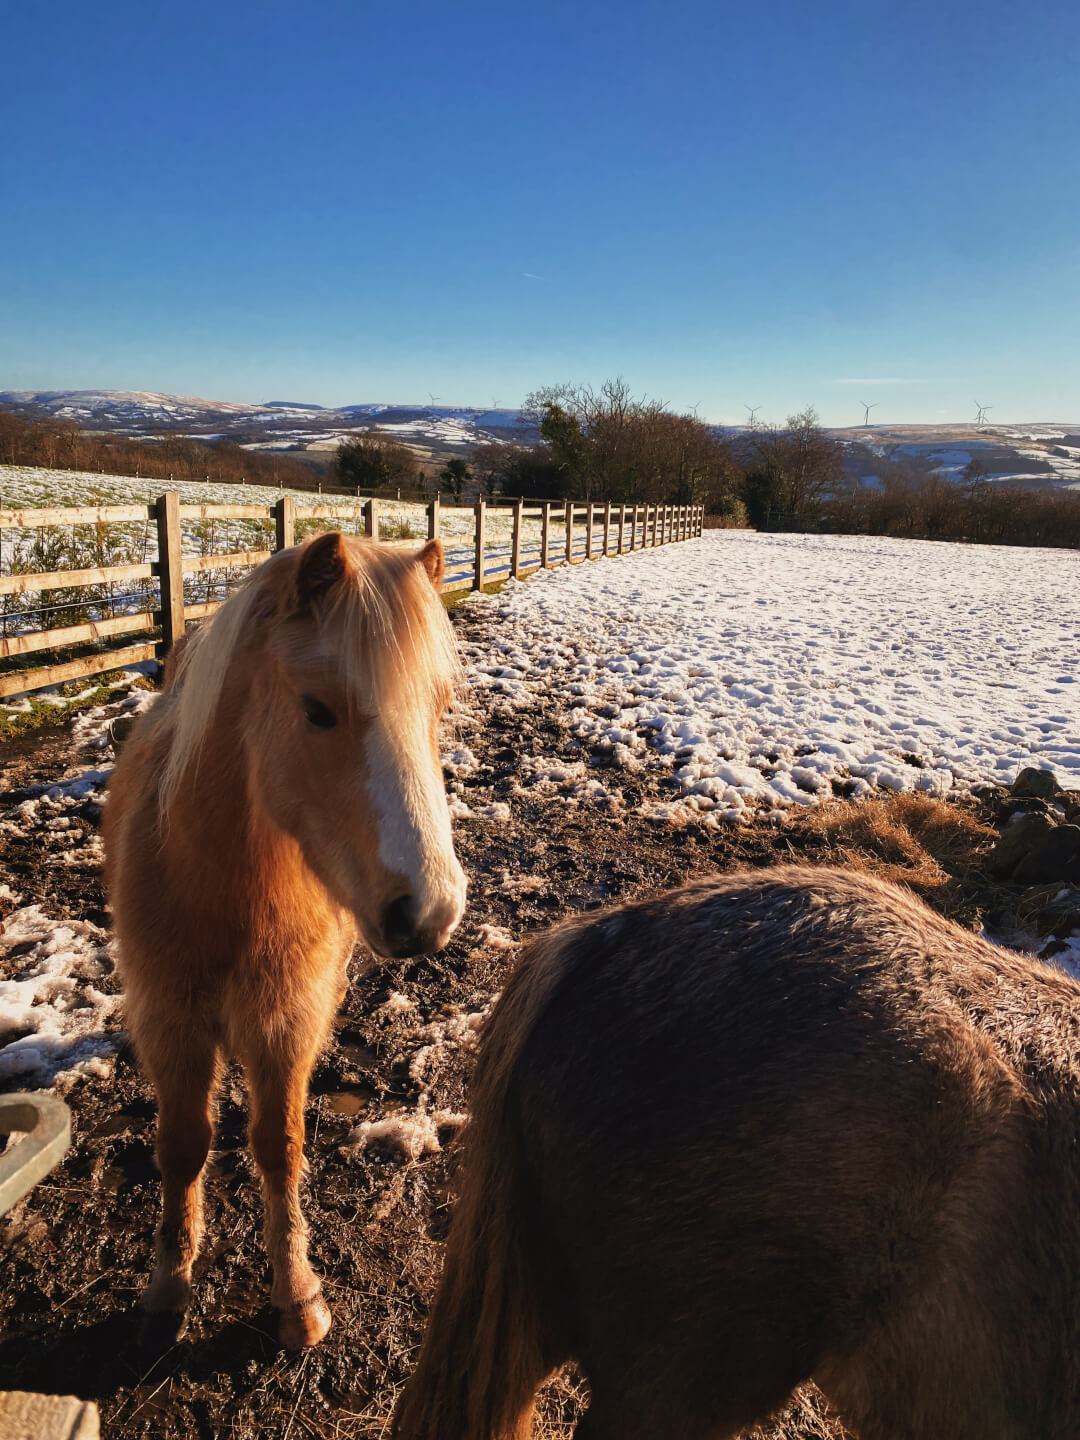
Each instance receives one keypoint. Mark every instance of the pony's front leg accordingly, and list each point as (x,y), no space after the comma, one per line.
(184,1066)
(278,1078)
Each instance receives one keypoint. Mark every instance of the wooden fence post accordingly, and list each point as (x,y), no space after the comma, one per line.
(607,526)
(371,519)
(170,569)
(569,532)
(588,530)
(545,530)
(515,542)
(284,523)
(433,519)
(622,523)
(478,574)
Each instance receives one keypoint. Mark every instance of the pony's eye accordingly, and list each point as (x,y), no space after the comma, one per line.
(318,714)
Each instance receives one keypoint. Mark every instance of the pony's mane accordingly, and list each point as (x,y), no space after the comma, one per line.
(383,623)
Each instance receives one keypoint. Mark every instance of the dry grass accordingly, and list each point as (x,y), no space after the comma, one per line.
(935,848)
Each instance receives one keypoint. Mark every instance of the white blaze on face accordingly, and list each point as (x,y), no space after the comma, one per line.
(408,798)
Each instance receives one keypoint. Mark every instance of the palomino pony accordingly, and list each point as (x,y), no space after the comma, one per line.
(283,794)
(775,1126)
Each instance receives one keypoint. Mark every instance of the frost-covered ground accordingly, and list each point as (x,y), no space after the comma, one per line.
(764,671)
(59,999)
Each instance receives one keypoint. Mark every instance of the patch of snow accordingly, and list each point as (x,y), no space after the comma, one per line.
(54,1020)
(411,1132)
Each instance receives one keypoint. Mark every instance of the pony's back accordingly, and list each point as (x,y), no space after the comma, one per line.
(756,1138)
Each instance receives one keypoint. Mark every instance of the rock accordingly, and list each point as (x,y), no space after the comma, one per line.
(1016,842)
(1042,784)
(1053,856)
(1024,805)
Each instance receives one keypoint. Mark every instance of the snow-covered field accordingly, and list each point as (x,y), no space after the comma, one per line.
(771,670)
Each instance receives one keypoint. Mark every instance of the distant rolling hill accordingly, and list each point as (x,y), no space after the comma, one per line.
(1030,455)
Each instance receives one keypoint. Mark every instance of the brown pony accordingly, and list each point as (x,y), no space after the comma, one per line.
(774,1126)
(284,793)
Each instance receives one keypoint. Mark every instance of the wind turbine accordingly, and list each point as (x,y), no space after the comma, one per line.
(980,417)
(434,399)
(866,411)
(753,409)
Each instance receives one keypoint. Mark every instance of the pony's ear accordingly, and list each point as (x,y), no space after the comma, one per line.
(434,562)
(323,564)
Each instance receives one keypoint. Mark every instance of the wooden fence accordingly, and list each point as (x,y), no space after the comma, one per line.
(589,531)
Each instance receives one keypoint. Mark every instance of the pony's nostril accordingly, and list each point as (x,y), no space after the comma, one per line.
(398,922)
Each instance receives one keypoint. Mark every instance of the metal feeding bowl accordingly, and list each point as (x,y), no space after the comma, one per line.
(45,1125)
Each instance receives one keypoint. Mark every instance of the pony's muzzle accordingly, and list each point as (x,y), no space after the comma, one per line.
(406,932)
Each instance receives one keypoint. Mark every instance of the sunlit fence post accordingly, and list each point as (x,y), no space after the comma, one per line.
(515,543)
(170,569)
(285,522)
(478,573)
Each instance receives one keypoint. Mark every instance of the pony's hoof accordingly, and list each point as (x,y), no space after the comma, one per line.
(301,1326)
(158,1330)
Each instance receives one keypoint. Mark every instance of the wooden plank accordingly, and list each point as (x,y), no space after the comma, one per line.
(228,512)
(371,519)
(569,533)
(74,515)
(20,682)
(460,582)
(607,525)
(65,635)
(433,519)
(284,523)
(71,579)
(240,560)
(330,512)
(588,531)
(545,535)
(203,610)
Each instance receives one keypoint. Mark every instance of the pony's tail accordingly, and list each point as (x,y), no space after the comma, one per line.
(484,1353)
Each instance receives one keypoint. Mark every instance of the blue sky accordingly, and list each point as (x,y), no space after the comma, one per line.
(772,204)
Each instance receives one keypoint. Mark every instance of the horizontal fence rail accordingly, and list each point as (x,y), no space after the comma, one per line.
(539,536)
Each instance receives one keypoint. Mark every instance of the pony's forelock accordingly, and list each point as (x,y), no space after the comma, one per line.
(384,624)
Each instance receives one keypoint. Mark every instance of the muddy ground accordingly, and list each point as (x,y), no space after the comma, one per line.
(74,1255)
